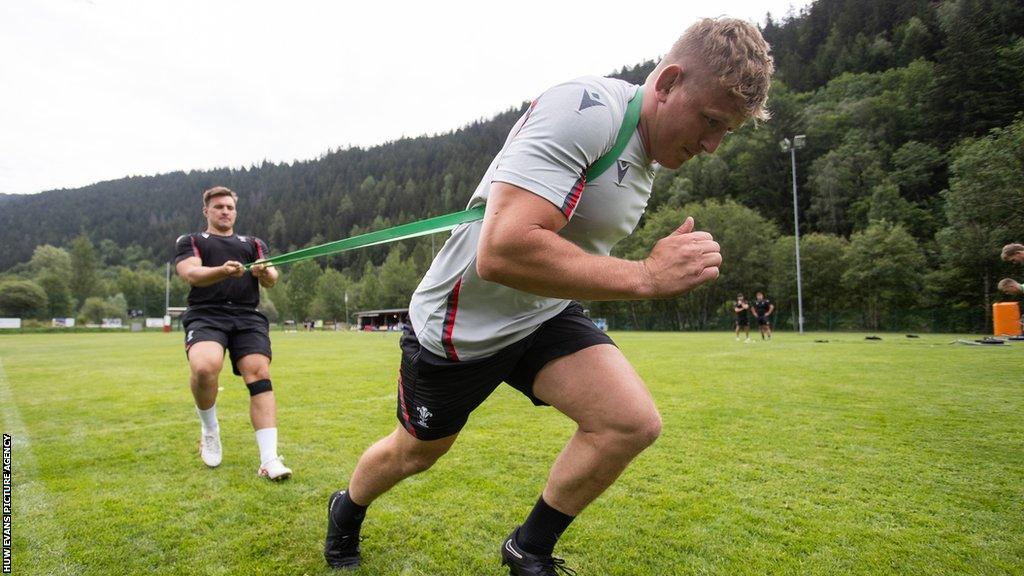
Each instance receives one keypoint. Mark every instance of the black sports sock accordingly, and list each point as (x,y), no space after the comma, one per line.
(542,529)
(348,515)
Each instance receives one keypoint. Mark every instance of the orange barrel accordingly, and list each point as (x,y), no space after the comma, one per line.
(1006,319)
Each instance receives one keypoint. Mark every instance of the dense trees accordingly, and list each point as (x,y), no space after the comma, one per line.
(83,268)
(984,209)
(822,267)
(23,298)
(883,271)
(331,292)
(300,288)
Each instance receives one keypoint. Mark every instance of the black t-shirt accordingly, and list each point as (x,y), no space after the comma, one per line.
(741,313)
(762,306)
(215,250)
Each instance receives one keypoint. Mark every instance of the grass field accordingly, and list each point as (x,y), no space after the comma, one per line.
(791,457)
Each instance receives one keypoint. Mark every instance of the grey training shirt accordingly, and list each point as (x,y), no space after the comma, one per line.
(458,315)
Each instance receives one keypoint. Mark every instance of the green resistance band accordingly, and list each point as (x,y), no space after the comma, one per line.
(449,221)
(410,230)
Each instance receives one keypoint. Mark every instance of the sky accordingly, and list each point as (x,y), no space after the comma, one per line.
(94,90)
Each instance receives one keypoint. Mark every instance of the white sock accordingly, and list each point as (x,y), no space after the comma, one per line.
(208,418)
(266,439)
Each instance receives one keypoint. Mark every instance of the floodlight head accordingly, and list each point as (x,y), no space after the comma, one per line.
(799,141)
(784,144)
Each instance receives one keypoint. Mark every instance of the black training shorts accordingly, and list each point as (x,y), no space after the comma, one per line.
(242,331)
(742,322)
(763,321)
(436,395)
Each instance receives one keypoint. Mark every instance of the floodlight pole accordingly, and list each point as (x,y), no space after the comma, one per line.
(346,309)
(798,142)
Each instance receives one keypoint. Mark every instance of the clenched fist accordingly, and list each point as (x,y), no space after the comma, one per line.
(681,261)
(233,269)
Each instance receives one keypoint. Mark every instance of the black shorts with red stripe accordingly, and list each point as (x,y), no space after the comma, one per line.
(240,330)
(437,395)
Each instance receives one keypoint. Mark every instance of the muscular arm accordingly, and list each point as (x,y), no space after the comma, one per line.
(520,248)
(191,270)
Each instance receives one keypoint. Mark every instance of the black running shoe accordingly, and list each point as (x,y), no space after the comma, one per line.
(341,548)
(522,563)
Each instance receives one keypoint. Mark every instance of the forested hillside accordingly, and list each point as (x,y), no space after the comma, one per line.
(911,181)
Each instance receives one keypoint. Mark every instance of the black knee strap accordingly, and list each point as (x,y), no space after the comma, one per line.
(259,387)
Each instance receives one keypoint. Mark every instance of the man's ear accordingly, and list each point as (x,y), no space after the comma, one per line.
(668,78)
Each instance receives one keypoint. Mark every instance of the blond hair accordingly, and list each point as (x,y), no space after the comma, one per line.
(1011,250)
(736,53)
(1008,286)
(218,191)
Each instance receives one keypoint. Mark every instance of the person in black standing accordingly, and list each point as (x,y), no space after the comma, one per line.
(221,316)
(742,310)
(763,309)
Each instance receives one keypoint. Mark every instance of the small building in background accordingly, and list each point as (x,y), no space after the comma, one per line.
(373,320)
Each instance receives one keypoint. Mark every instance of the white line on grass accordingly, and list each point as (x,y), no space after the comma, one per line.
(47,545)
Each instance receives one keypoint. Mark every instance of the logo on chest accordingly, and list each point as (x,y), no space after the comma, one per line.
(622,167)
(589,100)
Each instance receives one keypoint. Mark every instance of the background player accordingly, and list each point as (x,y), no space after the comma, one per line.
(763,309)
(742,311)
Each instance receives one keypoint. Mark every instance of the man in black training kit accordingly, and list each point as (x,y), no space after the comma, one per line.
(742,311)
(222,315)
(763,309)
(498,302)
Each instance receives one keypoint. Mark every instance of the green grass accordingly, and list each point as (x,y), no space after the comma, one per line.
(790,457)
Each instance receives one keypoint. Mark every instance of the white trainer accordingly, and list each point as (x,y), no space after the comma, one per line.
(209,449)
(274,469)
